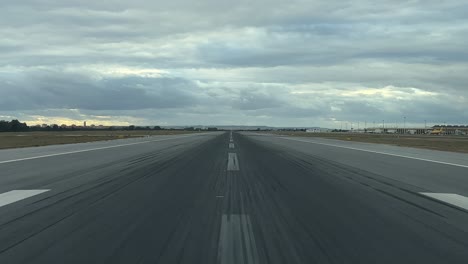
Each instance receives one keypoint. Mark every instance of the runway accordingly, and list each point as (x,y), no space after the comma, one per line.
(232,198)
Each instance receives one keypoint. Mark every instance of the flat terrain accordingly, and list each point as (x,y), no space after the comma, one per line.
(35,139)
(444,143)
(241,198)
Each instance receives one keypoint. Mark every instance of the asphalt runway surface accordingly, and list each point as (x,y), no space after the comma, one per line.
(232,198)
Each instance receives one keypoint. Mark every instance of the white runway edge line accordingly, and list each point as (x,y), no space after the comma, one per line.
(17,195)
(86,150)
(233,163)
(236,240)
(451,198)
(382,153)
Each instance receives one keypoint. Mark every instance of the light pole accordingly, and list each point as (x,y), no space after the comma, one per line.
(383,126)
(404,125)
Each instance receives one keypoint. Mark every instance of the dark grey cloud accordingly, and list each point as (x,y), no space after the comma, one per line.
(55,89)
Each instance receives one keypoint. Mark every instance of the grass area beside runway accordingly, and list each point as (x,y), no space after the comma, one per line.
(36,139)
(444,143)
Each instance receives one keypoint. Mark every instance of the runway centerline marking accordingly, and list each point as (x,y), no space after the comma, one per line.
(451,198)
(233,163)
(231,145)
(87,150)
(18,195)
(382,153)
(236,240)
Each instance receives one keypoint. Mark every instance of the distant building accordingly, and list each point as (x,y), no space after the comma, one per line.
(317,130)
(435,130)
(414,131)
(449,130)
(84,124)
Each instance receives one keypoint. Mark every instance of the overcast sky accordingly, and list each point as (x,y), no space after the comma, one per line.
(277,63)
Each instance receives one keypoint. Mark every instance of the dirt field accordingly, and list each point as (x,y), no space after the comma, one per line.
(445,143)
(35,139)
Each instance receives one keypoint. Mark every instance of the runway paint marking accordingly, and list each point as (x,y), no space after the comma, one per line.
(231,145)
(236,240)
(383,153)
(87,150)
(451,198)
(219,196)
(233,163)
(17,195)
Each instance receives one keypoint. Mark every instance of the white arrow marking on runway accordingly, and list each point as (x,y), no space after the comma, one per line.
(451,198)
(18,195)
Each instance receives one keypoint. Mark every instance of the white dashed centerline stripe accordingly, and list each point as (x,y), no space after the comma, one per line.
(233,163)
(378,152)
(87,150)
(451,198)
(236,240)
(18,195)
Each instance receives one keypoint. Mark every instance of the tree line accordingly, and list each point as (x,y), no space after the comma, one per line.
(17,126)
(13,126)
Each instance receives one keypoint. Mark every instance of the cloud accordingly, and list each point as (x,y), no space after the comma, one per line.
(214,62)
(58,89)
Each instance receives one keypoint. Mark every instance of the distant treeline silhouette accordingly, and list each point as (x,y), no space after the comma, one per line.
(13,126)
(17,126)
